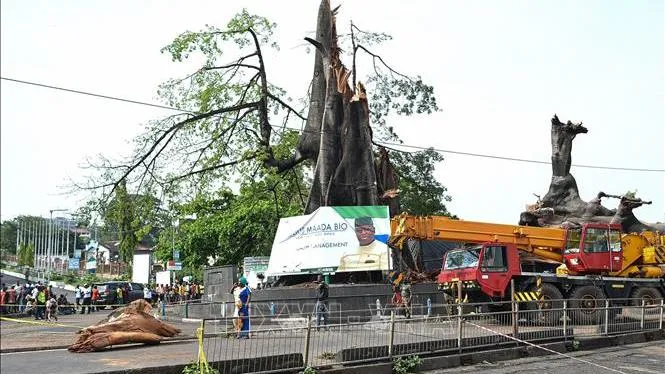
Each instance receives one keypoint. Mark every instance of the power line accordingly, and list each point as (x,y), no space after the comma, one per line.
(92,94)
(515,159)
(518,159)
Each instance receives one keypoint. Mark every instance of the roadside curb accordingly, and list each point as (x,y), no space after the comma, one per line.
(173,340)
(433,361)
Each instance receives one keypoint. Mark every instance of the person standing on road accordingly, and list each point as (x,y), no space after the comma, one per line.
(397,300)
(237,322)
(125,293)
(243,311)
(51,309)
(119,297)
(147,294)
(87,296)
(21,292)
(406,298)
(95,297)
(79,296)
(41,302)
(321,303)
(3,300)
(11,299)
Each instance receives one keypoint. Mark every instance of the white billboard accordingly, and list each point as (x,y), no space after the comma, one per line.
(141,269)
(163,277)
(332,239)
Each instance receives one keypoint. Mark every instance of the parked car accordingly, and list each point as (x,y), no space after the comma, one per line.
(108,293)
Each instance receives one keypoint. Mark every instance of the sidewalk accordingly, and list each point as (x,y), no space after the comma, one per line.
(31,335)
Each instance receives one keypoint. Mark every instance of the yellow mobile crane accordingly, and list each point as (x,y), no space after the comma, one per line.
(601,261)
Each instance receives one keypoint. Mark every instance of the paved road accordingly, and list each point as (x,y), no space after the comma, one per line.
(628,359)
(59,361)
(27,334)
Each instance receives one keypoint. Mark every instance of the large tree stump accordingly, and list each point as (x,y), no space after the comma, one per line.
(563,206)
(344,173)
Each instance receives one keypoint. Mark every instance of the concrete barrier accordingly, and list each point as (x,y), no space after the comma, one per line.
(433,362)
(289,362)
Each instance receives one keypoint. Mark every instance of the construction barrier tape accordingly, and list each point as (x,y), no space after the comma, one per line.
(39,323)
(203,361)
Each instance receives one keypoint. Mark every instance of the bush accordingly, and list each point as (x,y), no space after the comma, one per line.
(194,368)
(408,364)
(123,277)
(90,279)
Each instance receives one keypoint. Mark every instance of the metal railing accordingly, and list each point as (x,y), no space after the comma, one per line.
(297,307)
(294,341)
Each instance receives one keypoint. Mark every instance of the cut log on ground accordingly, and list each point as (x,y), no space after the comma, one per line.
(129,324)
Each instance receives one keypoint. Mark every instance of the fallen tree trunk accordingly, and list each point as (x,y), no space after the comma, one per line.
(129,324)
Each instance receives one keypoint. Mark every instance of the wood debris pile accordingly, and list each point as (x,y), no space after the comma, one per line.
(129,324)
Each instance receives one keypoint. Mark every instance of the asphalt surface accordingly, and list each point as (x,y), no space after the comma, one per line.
(280,339)
(58,361)
(629,359)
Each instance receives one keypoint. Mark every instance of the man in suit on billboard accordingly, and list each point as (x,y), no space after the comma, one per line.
(371,254)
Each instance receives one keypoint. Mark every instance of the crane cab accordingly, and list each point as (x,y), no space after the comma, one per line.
(486,269)
(594,248)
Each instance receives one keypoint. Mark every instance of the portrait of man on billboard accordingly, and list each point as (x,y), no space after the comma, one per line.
(371,253)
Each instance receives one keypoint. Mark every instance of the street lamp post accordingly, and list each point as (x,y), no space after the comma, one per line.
(52,240)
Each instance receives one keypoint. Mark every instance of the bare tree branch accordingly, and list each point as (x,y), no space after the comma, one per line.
(377,57)
(287,106)
(210,168)
(173,129)
(231,66)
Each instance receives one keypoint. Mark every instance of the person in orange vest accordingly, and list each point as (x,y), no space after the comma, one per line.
(3,297)
(11,300)
(95,297)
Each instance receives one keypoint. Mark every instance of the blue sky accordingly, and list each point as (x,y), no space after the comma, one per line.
(500,71)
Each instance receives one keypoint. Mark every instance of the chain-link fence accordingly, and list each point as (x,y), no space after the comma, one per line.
(281,341)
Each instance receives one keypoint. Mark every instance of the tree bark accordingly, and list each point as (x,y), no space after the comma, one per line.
(562,205)
(308,144)
(344,173)
(563,194)
(387,182)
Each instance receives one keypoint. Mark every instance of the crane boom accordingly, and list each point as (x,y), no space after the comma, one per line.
(542,242)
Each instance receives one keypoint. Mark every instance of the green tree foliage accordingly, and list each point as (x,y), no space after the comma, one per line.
(238,117)
(131,218)
(26,255)
(228,226)
(237,133)
(8,236)
(420,192)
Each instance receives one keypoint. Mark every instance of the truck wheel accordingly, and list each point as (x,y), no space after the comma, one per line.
(650,296)
(587,305)
(550,309)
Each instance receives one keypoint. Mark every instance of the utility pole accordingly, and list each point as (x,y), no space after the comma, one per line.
(68,234)
(42,251)
(18,234)
(38,247)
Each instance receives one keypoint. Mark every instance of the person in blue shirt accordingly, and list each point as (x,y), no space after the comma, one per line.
(243,310)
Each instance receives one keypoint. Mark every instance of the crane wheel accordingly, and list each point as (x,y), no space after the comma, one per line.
(587,305)
(549,309)
(651,297)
